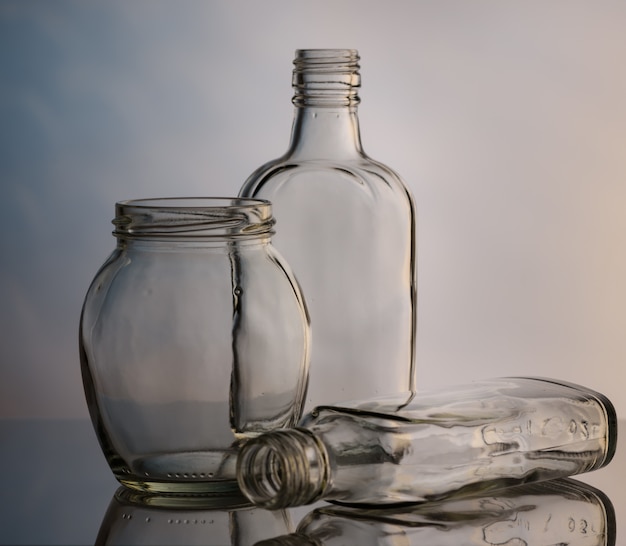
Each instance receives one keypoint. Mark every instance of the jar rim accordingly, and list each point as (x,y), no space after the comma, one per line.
(195,218)
(192,202)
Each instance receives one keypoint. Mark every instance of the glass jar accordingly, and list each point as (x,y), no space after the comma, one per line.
(347,228)
(193,336)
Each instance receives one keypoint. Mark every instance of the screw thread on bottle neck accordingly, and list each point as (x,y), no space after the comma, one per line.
(283,468)
(326,77)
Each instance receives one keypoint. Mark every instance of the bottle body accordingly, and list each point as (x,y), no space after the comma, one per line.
(193,335)
(346,225)
(562,511)
(457,441)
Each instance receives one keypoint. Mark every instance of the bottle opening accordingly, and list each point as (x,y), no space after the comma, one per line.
(282,468)
(326,77)
(312,58)
(193,218)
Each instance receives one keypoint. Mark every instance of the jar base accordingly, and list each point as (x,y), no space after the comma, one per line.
(194,488)
(185,473)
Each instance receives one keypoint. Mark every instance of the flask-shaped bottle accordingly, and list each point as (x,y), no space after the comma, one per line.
(480,437)
(346,225)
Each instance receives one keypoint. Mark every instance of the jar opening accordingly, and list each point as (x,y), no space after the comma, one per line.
(193,218)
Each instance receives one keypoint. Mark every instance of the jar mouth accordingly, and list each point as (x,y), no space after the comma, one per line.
(193,218)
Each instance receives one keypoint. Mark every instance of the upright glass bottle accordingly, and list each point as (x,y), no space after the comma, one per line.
(474,438)
(346,225)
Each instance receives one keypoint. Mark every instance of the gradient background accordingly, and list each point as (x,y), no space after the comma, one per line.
(506,119)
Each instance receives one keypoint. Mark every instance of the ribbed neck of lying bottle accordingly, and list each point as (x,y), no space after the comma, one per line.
(326,77)
(283,468)
(193,219)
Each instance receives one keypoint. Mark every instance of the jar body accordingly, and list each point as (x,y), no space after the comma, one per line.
(347,227)
(188,345)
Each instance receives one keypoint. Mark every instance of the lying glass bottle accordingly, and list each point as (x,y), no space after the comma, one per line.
(474,438)
(562,511)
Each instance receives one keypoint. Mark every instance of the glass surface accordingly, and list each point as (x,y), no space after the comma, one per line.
(346,225)
(193,336)
(57,488)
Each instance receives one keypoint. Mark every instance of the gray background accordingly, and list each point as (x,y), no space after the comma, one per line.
(506,119)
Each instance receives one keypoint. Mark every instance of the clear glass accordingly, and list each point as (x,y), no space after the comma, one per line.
(146,520)
(557,512)
(193,335)
(346,225)
(456,441)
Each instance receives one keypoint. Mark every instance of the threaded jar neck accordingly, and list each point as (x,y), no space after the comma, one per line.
(326,77)
(193,219)
(283,468)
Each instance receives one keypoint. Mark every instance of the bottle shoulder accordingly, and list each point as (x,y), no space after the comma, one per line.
(363,170)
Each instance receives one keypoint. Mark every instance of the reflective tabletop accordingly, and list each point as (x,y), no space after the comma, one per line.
(58,489)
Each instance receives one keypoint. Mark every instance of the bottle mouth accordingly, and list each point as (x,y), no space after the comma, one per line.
(326,77)
(195,218)
(282,468)
(318,57)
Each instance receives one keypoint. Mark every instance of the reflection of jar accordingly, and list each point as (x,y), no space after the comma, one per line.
(193,335)
(134,519)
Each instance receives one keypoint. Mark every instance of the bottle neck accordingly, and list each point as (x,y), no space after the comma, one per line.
(326,124)
(325,133)
(283,468)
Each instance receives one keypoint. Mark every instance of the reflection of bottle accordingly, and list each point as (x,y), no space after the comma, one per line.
(346,226)
(137,518)
(478,437)
(554,512)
